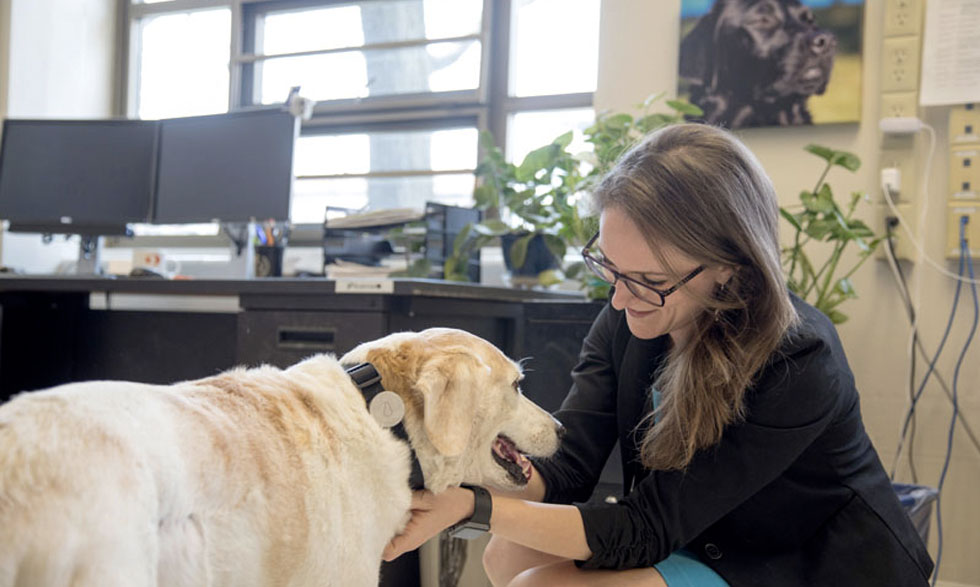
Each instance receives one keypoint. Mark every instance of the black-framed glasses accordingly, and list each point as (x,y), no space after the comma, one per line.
(645,292)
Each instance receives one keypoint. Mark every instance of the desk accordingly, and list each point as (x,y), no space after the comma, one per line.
(55,330)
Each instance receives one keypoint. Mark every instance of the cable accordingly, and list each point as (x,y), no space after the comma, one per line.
(920,347)
(903,290)
(964,260)
(932,363)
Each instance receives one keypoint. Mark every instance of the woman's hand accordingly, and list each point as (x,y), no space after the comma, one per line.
(431,513)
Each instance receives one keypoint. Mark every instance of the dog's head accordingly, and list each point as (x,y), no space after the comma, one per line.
(465,415)
(765,48)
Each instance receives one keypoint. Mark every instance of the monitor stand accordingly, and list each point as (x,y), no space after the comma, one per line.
(89,255)
(242,262)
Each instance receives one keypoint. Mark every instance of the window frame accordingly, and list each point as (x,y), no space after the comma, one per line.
(487,107)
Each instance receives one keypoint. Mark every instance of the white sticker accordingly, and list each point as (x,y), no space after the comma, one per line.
(387,409)
(357,286)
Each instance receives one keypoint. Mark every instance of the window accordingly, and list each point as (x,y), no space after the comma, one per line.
(402,87)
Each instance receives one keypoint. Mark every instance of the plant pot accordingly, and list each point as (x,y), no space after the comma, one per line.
(539,258)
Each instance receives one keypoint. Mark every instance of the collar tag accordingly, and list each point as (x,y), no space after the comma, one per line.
(387,409)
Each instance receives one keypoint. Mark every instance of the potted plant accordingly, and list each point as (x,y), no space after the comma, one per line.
(821,220)
(539,209)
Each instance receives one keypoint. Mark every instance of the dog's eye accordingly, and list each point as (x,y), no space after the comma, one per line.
(806,15)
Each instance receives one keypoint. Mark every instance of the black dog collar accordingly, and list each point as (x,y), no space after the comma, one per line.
(387,409)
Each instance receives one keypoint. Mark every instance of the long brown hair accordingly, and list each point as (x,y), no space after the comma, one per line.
(700,190)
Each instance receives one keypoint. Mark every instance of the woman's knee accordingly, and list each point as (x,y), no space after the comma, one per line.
(503,560)
(500,560)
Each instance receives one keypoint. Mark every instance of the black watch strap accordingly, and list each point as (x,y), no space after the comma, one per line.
(479,523)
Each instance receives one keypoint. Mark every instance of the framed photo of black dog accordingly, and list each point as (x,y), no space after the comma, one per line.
(772,62)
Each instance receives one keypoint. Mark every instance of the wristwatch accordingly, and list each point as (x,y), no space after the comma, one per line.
(479,523)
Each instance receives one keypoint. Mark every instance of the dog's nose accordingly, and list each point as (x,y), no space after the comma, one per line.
(821,43)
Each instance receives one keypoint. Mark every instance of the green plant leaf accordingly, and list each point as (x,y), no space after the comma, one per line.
(486,197)
(564,140)
(556,245)
(790,218)
(573,269)
(685,107)
(492,227)
(534,162)
(550,277)
(848,161)
(823,152)
(518,250)
(836,316)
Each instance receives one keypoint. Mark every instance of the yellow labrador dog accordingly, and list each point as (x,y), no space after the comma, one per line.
(252,477)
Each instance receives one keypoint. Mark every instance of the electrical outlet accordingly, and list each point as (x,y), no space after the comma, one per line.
(956,211)
(899,105)
(904,161)
(903,17)
(964,124)
(904,249)
(964,173)
(900,64)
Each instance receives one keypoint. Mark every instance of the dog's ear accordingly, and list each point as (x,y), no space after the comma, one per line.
(448,384)
(698,49)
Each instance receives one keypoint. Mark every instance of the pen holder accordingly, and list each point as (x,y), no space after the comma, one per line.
(268,261)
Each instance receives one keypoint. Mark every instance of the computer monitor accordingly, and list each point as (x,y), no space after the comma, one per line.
(88,177)
(231,167)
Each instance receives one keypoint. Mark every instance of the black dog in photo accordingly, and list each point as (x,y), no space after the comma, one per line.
(756,62)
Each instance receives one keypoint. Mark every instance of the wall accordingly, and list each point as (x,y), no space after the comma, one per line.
(875,338)
(59,65)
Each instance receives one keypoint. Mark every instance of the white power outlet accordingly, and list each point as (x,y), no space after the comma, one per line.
(900,64)
(903,17)
(899,105)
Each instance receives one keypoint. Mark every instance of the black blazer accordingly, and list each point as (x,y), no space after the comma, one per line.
(793,495)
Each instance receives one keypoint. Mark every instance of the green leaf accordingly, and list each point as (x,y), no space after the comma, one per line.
(486,140)
(464,234)
(574,269)
(550,277)
(518,250)
(492,227)
(818,229)
(535,161)
(819,203)
(486,197)
(845,288)
(652,98)
(564,140)
(790,218)
(556,245)
(685,107)
(836,316)
(820,151)
(848,161)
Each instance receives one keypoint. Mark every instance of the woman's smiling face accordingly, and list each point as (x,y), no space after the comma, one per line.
(625,247)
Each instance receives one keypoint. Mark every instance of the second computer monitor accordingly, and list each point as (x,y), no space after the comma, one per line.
(228,167)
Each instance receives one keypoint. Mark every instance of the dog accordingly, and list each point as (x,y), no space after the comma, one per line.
(756,62)
(254,476)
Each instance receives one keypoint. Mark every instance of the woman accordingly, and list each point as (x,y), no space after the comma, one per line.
(745,458)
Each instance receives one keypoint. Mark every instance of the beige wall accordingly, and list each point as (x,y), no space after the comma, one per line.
(58,60)
(638,57)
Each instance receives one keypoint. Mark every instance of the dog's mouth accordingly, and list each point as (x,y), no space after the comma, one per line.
(506,454)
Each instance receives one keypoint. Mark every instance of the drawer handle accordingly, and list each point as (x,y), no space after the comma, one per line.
(307,338)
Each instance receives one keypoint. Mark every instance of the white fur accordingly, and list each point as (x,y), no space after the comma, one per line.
(253,477)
